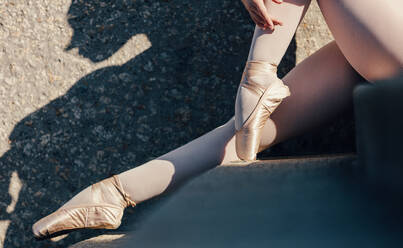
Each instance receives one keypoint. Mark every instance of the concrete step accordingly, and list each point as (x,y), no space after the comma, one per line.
(294,202)
(379,123)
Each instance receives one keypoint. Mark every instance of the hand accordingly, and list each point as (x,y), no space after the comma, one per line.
(260,15)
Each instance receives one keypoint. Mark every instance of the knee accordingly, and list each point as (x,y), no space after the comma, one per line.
(378,71)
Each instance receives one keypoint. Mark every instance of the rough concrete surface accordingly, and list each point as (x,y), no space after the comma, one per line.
(102,241)
(92,88)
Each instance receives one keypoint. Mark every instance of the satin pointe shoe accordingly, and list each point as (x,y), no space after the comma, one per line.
(259,94)
(107,200)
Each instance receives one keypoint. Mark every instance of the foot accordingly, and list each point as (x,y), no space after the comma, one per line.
(99,206)
(259,94)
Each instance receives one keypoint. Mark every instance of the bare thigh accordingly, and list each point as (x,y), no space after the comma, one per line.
(369,33)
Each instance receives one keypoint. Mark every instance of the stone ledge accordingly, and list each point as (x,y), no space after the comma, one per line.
(102,241)
(229,180)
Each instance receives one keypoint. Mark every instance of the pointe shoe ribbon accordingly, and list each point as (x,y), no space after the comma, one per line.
(259,94)
(104,210)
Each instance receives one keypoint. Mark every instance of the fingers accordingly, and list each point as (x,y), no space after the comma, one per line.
(265,15)
(260,15)
(257,19)
(277,22)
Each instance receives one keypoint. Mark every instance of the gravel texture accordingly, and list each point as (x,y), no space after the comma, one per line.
(92,88)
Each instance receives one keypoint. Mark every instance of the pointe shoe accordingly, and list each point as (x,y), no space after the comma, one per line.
(107,200)
(259,94)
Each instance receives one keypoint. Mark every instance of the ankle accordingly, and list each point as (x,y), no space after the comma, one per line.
(260,72)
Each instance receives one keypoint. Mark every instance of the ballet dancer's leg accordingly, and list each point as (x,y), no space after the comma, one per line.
(101,205)
(270,46)
(321,87)
(317,96)
(369,33)
(267,46)
(260,91)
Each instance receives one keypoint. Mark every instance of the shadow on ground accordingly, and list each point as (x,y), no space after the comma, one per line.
(118,117)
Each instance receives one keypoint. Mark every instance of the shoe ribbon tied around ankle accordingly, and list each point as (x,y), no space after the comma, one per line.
(126,197)
(259,94)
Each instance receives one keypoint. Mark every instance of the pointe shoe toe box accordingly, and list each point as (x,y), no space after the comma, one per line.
(102,217)
(106,201)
